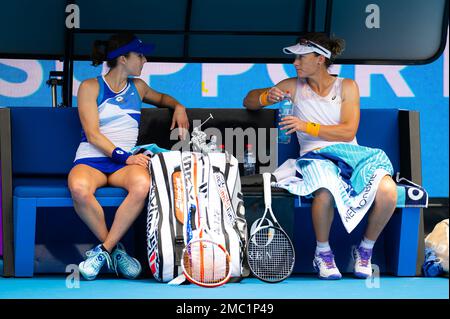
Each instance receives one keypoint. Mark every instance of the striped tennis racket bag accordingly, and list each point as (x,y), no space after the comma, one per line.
(188,187)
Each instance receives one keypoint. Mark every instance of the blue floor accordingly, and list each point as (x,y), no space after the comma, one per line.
(296,287)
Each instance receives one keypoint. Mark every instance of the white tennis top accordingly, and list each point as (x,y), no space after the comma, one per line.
(119,116)
(311,107)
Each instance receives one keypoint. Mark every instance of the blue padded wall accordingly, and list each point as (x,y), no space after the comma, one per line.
(379,129)
(42,131)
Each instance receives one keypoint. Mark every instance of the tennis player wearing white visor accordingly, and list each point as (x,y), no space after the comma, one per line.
(325,119)
(307,46)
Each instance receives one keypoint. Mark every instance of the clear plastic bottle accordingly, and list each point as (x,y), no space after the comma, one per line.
(285,109)
(249,160)
(213,144)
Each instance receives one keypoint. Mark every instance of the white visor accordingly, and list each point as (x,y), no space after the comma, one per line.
(301,49)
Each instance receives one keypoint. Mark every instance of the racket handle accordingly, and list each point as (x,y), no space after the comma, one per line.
(267,189)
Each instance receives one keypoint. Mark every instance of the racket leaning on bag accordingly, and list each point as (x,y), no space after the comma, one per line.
(205,262)
(270,252)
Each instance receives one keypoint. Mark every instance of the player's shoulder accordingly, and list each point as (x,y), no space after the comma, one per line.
(349,86)
(287,84)
(90,84)
(349,83)
(141,86)
(139,82)
(349,89)
(292,80)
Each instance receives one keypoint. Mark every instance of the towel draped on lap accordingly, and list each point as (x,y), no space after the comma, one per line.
(352,174)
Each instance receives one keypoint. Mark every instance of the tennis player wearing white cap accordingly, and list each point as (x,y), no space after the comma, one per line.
(326,112)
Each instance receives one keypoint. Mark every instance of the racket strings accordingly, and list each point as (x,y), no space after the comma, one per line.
(270,254)
(206,262)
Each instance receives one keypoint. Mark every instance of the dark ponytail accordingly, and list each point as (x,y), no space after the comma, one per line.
(99,52)
(335,45)
(101,48)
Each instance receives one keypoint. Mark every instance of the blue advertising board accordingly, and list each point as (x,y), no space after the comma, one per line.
(422,88)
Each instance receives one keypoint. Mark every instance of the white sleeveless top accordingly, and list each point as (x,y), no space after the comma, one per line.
(311,107)
(119,116)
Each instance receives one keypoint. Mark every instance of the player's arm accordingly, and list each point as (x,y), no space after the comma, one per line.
(88,111)
(346,130)
(154,97)
(151,96)
(259,98)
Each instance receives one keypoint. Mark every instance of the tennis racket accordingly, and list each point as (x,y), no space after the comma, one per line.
(270,252)
(205,262)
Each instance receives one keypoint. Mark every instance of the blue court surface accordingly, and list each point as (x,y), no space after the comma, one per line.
(296,287)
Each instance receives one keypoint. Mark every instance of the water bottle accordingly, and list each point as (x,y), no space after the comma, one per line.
(285,109)
(213,144)
(249,160)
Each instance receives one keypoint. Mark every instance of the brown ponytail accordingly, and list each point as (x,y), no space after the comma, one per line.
(335,45)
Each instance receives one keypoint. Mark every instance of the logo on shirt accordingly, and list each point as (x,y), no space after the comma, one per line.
(119,99)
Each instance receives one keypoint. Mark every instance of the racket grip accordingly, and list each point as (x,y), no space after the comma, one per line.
(267,189)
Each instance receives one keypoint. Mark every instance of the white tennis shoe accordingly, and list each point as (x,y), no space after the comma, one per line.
(124,264)
(94,262)
(363,266)
(324,264)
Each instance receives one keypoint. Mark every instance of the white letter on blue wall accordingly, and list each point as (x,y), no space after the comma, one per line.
(391,74)
(33,81)
(152,68)
(212,71)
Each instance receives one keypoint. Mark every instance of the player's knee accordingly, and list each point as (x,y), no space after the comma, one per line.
(324,197)
(140,186)
(387,192)
(80,191)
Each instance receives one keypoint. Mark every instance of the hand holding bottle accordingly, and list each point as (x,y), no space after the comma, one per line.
(276,95)
(285,109)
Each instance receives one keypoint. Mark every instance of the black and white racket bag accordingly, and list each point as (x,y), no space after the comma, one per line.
(185,187)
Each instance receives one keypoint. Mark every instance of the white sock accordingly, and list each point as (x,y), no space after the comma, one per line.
(322,247)
(366,243)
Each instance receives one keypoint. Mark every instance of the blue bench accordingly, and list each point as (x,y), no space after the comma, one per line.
(44,140)
(42,146)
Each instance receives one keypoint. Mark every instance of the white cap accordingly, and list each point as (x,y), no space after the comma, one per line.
(306,48)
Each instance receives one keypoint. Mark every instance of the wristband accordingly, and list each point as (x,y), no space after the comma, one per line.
(120,156)
(312,129)
(263,98)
